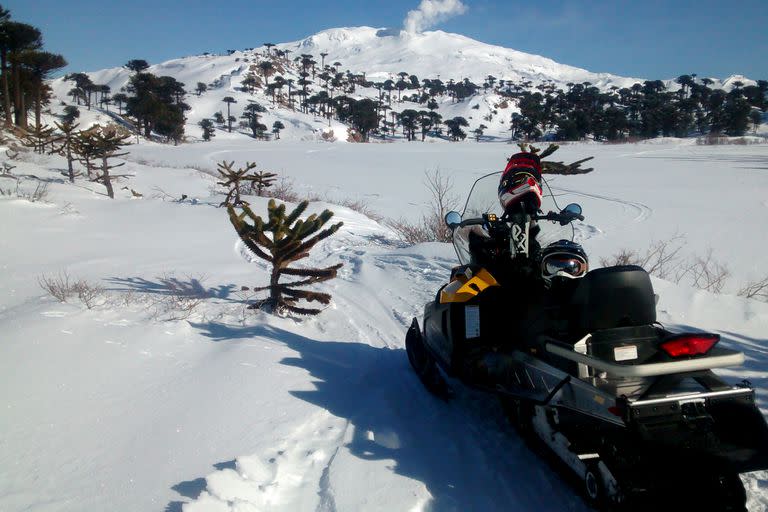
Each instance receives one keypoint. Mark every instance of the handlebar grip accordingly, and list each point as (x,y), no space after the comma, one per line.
(472,222)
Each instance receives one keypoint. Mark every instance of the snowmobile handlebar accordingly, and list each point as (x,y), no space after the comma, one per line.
(563,217)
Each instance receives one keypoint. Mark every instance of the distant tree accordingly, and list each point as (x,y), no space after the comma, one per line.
(479,131)
(229,100)
(454,128)
(37,138)
(756,117)
(232,180)
(409,119)
(201,88)
(262,180)
(106,143)
(15,38)
(208,129)
(251,114)
(218,118)
(64,143)
(71,113)
(120,99)
(269,47)
(361,114)
(157,104)
(137,65)
(276,127)
(84,87)
(267,69)
(282,240)
(38,66)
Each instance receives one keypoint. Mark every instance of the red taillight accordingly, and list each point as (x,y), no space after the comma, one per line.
(690,344)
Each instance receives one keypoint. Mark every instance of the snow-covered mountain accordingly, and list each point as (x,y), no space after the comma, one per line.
(380,54)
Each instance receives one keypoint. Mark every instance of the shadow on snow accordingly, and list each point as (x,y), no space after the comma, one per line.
(461,451)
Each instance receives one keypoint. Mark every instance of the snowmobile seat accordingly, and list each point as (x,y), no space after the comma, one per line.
(606,298)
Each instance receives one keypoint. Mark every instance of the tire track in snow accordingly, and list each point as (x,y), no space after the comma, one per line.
(642,211)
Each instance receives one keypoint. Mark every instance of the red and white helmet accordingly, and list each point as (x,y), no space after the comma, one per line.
(521,183)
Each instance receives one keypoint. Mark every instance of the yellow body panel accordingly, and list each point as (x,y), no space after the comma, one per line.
(466,285)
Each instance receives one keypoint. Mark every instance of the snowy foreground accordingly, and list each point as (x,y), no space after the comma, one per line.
(146,403)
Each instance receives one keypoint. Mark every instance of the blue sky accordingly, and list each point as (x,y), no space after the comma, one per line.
(645,39)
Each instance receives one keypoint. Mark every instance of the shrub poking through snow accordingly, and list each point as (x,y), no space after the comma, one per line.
(281,240)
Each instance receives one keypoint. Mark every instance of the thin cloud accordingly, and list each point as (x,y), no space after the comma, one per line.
(432,12)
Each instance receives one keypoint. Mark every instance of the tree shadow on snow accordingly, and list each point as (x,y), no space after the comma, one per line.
(189,287)
(191,489)
(461,450)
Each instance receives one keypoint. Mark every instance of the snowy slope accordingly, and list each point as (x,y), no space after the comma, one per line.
(134,406)
(380,54)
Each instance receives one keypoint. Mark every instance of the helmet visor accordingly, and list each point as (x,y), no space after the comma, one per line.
(564,265)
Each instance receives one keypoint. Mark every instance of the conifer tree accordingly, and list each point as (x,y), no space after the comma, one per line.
(103,144)
(63,144)
(232,180)
(38,138)
(229,100)
(208,130)
(276,127)
(282,240)
(262,180)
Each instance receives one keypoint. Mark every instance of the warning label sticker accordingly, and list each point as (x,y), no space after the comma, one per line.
(471,322)
(627,353)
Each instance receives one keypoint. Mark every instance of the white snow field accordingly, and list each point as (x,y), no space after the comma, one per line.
(140,405)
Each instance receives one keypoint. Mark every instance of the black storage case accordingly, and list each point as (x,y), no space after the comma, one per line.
(611,297)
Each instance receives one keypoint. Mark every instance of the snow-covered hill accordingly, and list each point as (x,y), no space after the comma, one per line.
(170,395)
(379,54)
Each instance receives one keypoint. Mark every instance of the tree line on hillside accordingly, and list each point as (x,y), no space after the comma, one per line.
(24,68)
(644,110)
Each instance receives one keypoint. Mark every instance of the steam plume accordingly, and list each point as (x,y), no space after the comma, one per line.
(432,12)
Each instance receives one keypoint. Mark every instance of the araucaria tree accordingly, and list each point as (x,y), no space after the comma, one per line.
(262,180)
(64,144)
(282,240)
(232,180)
(106,143)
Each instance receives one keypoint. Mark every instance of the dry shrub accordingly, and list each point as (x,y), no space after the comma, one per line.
(705,273)
(662,259)
(179,298)
(755,290)
(62,288)
(328,136)
(284,190)
(359,206)
(432,226)
(39,194)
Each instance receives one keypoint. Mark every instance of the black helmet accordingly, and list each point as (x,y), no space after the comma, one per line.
(563,259)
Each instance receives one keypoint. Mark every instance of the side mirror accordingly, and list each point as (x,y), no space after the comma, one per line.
(453,219)
(571,212)
(573,209)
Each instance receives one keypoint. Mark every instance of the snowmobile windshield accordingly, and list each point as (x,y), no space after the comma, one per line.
(484,198)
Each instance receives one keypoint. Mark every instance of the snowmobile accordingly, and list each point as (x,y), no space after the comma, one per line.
(581,365)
